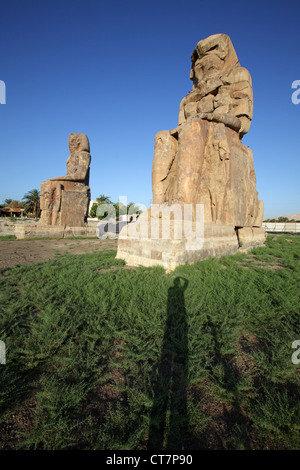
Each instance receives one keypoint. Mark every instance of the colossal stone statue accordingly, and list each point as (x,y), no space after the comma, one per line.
(65,200)
(203,162)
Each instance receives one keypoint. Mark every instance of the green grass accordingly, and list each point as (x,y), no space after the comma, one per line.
(7,237)
(99,356)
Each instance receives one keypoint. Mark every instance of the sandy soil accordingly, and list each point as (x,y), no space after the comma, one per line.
(18,252)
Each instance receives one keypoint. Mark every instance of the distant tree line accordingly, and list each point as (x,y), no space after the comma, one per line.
(280,220)
(113,209)
(30,203)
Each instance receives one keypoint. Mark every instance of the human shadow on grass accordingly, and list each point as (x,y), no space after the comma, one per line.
(169,417)
(237,426)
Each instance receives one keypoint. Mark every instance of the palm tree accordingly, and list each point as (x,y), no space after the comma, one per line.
(14,203)
(102,198)
(31,202)
(133,209)
(7,202)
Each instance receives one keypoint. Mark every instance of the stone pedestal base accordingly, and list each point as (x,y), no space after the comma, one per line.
(138,249)
(52,231)
(250,237)
(64,203)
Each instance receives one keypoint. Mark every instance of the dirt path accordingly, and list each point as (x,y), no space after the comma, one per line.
(17,252)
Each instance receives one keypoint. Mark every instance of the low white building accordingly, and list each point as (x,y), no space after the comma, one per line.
(91,205)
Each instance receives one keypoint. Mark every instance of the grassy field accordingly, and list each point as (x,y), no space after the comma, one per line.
(101,356)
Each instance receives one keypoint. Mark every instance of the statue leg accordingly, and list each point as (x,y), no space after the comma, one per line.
(165,150)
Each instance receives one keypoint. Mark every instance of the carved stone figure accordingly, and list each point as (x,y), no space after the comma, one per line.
(65,200)
(203,161)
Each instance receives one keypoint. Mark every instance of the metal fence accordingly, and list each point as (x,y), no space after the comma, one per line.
(289,227)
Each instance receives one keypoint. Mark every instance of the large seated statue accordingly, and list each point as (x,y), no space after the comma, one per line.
(202,162)
(64,200)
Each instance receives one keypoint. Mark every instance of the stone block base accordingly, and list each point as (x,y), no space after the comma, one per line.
(217,240)
(51,231)
(250,237)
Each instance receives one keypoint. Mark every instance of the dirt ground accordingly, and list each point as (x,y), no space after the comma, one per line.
(19,252)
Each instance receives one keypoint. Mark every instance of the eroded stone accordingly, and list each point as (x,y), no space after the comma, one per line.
(64,200)
(203,162)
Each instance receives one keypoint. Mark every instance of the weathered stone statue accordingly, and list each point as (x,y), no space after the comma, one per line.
(65,200)
(203,162)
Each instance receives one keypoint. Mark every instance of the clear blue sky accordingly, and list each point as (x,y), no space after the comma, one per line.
(117,71)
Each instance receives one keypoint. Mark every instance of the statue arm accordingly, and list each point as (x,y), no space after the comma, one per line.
(77,168)
(228,119)
(240,103)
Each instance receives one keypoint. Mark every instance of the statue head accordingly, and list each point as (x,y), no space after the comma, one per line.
(78,143)
(79,160)
(212,57)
